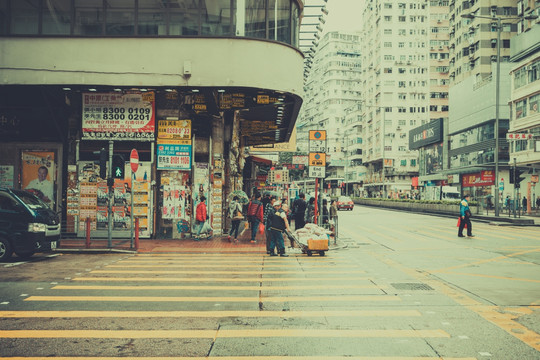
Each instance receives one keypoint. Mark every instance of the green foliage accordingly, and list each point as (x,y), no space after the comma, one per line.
(443,202)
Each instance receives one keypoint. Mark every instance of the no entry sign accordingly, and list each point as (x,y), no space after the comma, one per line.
(134,160)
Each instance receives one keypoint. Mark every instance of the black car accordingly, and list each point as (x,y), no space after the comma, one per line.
(27,225)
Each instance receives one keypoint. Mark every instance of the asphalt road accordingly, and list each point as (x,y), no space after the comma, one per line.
(401,286)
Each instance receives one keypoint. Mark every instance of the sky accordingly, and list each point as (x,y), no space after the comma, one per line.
(344,15)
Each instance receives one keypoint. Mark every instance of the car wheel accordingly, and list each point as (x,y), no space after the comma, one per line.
(5,249)
(25,255)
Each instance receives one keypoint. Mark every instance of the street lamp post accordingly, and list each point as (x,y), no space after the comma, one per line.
(497,92)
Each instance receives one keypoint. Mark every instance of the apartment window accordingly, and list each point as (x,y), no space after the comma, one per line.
(387,5)
(402,32)
(402,96)
(521,109)
(403,162)
(401,44)
(402,148)
(388,18)
(402,122)
(534,103)
(401,84)
(402,19)
(387,31)
(412,122)
(413,162)
(387,44)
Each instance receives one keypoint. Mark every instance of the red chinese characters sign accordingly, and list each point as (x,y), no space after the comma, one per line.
(117,116)
(470,180)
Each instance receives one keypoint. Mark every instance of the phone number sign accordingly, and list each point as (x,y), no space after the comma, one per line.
(118,116)
(173,157)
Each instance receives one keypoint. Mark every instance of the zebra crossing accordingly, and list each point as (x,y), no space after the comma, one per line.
(224,306)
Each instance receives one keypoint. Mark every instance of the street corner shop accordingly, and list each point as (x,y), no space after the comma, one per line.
(190,143)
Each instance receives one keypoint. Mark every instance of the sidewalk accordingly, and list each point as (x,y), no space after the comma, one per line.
(218,244)
(509,220)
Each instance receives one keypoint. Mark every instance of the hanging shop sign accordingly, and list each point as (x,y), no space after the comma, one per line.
(116,116)
(174,129)
(471,180)
(174,156)
(426,134)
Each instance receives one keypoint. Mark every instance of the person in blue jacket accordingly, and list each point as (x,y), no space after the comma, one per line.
(465,214)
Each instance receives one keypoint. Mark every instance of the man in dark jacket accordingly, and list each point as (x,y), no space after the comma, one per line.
(279,225)
(267,218)
(255,215)
(299,211)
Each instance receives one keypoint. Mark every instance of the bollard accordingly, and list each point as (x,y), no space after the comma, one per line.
(88,233)
(136,233)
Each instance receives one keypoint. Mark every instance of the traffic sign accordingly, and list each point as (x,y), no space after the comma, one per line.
(317,135)
(134,160)
(317,172)
(317,159)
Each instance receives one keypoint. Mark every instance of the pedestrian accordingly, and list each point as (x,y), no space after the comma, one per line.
(299,211)
(310,211)
(324,212)
(537,203)
(524,204)
(333,211)
(235,213)
(267,218)
(465,215)
(200,216)
(278,226)
(255,215)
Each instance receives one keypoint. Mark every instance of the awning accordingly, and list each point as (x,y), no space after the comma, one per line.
(260,160)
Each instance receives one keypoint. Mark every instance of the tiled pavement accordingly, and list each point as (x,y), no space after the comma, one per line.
(216,244)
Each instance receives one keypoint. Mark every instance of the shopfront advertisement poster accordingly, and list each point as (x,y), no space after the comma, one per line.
(38,174)
(118,116)
(6,176)
(173,157)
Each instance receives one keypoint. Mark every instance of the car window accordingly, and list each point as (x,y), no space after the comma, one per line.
(7,202)
(344,198)
(31,201)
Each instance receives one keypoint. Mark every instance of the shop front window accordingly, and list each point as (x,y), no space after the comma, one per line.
(88,17)
(279,14)
(151,19)
(120,16)
(57,17)
(254,18)
(277,20)
(184,18)
(25,17)
(3,17)
(216,18)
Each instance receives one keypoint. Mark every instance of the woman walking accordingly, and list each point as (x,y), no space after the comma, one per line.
(235,213)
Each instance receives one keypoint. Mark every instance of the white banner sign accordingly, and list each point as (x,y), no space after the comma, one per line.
(317,172)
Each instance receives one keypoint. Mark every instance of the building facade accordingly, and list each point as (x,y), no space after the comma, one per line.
(525,101)
(396,91)
(188,84)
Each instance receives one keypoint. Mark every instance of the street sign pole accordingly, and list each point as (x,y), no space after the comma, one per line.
(111,197)
(134,163)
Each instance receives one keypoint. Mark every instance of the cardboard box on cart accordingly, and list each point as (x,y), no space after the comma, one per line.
(318,244)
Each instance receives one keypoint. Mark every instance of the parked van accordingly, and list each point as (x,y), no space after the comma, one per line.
(27,225)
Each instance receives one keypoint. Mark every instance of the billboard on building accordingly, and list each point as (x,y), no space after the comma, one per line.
(426,134)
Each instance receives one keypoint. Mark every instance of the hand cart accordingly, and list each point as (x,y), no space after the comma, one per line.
(320,246)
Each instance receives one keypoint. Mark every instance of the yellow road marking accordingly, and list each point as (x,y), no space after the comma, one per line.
(208,314)
(225,333)
(490,313)
(216,298)
(223,272)
(216,287)
(193,279)
(232,264)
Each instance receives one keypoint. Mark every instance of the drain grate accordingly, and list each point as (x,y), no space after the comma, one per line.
(411,286)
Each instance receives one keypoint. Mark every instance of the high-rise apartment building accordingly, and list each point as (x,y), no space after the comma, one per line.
(331,87)
(525,99)
(395,91)
(473,88)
